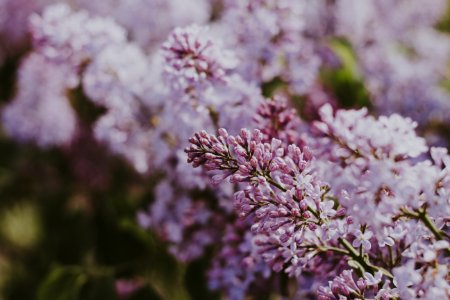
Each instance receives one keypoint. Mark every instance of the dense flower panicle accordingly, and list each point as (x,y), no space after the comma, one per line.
(379,174)
(113,74)
(277,120)
(345,287)
(355,134)
(41,111)
(64,36)
(280,192)
(371,164)
(202,82)
(194,59)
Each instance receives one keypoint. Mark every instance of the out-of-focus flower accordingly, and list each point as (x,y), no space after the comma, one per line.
(41,111)
(194,59)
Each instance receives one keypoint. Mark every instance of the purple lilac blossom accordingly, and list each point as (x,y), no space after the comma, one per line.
(296,209)
(206,93)
(113,73)
(297,217)
(280,191)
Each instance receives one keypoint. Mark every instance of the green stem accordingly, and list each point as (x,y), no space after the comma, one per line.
(315,213)
(391,257)
(274,183)
(353,253)
(333,249)
(423,216)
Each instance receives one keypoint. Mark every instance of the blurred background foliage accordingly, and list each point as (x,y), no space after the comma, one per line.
(68,226)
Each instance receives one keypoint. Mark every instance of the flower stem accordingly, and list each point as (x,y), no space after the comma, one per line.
(353,253)
(423,216)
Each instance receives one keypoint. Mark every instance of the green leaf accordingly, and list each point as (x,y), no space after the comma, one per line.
(63,283)
(356,266)
(345,82)
(99,287)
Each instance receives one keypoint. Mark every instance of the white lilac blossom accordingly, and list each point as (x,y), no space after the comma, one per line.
(355,134)
(40,111)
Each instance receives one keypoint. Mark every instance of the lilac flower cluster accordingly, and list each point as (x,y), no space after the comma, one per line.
(167,72)
(194,59)
(276,119)
(345,287)
(375,161)
(310,215)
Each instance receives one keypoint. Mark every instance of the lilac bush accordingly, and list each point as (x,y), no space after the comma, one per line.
(309,208)
(295,195)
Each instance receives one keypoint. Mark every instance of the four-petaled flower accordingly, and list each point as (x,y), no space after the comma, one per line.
(363,239)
